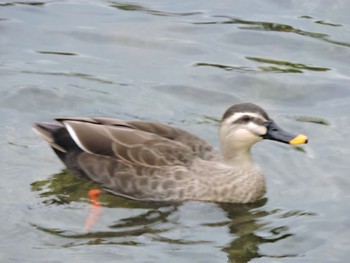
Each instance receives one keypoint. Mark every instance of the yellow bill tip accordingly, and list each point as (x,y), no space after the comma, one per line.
(300,139)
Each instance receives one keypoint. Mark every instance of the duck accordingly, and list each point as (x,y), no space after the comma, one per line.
(151,161)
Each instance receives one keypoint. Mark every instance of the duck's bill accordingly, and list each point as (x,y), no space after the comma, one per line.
(277,134)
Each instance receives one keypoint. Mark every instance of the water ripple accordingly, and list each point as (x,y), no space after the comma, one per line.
(271,26)
(140,8)
(278,66)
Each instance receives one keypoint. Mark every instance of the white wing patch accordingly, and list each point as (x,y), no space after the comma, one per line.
(74,136)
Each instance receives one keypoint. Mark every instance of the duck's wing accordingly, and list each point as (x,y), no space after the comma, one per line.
(198,146)
(127,144)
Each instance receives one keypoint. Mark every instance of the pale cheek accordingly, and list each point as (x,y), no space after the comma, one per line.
(259,130)
(245,135)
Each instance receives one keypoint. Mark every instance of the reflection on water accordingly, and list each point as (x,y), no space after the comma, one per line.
(312,119)
(23,3)
(321,21)
(57,53)
(247,224)
(72,74)
(278,66)
(276,27)
(291,67)
(137,7)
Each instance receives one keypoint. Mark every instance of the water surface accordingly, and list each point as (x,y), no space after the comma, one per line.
(182,63)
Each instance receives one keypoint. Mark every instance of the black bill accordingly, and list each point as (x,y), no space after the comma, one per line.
(275,133)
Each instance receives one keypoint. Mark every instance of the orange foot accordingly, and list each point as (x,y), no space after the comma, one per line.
(95,209)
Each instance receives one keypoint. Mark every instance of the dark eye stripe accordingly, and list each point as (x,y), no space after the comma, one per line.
(245,119)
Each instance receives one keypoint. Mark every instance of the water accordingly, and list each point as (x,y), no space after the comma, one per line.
(181,63)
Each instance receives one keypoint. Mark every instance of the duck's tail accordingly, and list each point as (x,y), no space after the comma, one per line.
(50,132)
(57,136)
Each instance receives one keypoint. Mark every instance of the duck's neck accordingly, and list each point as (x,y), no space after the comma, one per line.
(237,155)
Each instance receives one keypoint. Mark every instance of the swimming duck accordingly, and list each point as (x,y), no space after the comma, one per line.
(156,162)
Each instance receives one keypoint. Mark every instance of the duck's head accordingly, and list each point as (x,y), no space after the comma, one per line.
(243,125)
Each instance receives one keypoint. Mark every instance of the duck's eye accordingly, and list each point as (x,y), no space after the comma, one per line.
(246,119)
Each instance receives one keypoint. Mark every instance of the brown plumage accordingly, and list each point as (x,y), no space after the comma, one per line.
(153,161)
